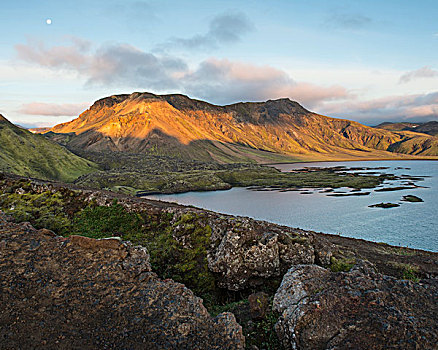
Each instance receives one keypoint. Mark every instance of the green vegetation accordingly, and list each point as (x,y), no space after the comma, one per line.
(230,307)
(103,222)
(261,333)
(258,332)
(341,264)
(270,177)
(410,273)
(168,147)
(27,154)
(180,252)
(43,210)
(407,271)
(387,249)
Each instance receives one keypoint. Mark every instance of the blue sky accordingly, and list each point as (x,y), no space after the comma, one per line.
(369,61)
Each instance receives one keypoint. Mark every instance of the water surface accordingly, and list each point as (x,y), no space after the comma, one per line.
(412,224)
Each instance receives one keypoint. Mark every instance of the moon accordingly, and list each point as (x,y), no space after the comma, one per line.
(48,21)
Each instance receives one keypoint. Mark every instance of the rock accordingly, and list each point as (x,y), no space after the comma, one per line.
(360,309)
(244,252)
(259,304)
(384,205)
(411,198)
(84,293)
(47,232)
(323,251)
(91,243)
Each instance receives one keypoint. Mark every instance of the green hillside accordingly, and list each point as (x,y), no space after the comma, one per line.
(27,154)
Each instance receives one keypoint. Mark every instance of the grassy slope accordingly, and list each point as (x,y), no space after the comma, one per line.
(24,153)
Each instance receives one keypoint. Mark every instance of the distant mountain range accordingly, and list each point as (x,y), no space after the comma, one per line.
(430,128)
(24,153)
(275,130)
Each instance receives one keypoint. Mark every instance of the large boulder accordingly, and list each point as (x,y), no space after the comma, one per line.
(78,292)
(244,252)
(360,309)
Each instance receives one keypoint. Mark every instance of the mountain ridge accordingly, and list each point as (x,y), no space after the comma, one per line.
(430,128)
(145,123)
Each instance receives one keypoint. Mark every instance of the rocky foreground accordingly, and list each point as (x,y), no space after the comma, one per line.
(315,291)
(83,293)
(359,309)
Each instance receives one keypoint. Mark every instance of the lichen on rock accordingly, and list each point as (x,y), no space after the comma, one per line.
(360,309)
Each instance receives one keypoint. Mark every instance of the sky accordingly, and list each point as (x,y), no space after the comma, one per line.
(364,60)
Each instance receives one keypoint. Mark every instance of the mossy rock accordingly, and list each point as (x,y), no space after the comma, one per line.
(341,264)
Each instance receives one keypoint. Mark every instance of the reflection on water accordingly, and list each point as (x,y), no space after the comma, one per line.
(411,224)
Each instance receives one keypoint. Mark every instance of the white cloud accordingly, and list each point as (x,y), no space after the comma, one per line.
(423,72)
(416,107)
(219,81)
(224,28)
(53,109)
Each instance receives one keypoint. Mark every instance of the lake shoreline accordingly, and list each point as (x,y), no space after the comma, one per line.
(354,160)
(313,209)
(133,203)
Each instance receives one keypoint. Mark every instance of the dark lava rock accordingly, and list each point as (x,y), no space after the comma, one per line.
(259,304)
(360,309)
(384,205)
(82,293)
(244,253)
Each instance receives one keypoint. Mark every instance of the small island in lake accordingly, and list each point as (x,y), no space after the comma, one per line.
(384,205)
(411,198)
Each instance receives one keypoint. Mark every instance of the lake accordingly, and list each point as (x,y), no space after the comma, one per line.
(412,224)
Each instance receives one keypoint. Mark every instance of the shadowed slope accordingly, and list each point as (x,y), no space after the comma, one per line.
(430,128)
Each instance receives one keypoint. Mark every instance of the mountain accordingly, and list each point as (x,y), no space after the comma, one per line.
(258,131)
(24,153)
(430,128)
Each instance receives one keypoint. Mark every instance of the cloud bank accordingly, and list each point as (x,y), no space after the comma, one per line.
(53,109)
(227,81)
(415,107)
(218,81)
